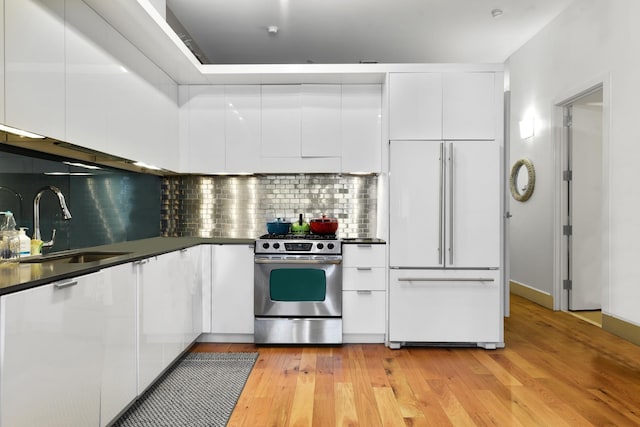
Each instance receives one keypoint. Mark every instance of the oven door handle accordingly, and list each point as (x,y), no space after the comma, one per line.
(297,261)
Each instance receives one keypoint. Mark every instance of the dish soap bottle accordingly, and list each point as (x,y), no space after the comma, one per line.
(25,242)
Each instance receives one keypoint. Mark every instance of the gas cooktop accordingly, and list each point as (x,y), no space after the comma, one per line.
(292,236)
(298,244)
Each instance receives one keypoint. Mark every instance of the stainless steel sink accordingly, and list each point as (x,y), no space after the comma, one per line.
(74,258)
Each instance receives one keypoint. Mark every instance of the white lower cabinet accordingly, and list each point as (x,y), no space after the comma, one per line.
(232,294)
(445,306)
(168,295)
(118,386)
(363,293)
(52,350)
(76,352)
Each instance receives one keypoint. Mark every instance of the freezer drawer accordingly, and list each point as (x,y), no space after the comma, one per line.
(445,306)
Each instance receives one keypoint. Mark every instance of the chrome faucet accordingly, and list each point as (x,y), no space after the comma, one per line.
(66,215)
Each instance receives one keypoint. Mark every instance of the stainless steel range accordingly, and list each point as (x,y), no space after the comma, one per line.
(298,289)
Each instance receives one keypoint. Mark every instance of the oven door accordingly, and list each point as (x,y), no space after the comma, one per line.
(297,286)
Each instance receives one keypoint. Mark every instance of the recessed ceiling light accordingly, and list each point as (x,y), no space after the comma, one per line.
(496,13)
(272,29)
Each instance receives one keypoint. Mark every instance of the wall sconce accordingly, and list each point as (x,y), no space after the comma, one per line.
(526,128)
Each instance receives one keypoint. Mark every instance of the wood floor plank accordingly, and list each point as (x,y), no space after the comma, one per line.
(345,404)
(388,407)
(364,396)
(555,370)
(302,407)
(324,396)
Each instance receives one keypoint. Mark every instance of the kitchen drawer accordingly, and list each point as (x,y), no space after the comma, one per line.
(363,278)
(363,255)
(445,306)
(363,312)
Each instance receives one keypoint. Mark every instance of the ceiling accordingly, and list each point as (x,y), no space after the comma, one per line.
(354,31)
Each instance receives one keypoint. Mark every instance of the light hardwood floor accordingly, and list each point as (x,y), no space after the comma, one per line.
(555,370)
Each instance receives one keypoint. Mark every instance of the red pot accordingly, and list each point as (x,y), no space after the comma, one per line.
(323,225)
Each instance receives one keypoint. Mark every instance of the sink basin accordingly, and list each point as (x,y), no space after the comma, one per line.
(75,258)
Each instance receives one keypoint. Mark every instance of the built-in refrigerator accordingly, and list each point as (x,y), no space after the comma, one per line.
(445,243)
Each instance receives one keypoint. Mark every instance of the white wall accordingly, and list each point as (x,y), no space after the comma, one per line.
(593,40)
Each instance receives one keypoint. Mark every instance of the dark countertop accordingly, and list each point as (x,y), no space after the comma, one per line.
(363,241)
(18,277)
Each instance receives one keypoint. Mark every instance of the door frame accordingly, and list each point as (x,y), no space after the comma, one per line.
(561,196)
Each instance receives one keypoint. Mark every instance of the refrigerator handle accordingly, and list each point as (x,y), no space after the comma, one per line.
(440,205)
(451,192)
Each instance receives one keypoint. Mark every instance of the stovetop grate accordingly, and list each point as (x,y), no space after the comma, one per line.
(292,236)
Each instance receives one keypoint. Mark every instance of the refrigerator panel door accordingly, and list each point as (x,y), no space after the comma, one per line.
(416,203)
(473,204)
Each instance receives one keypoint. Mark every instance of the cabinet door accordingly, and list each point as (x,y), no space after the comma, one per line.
(242,120)
(88,68)
(280,121)
(202,133)
(415,106)
(444,306)
(119,370)
(142,107)
(52,354)
(473,204)
(361,128)
(34,60)
(416,204)
(2,66)
(154,301)
(320,121)
(469,106)
(363,312)
(232,294)
(191,289)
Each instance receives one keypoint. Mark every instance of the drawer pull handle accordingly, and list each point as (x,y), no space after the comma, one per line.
(446,279)
(183,250)
(141,262)
(69,283)
(365,292)
(364,268)
(364,245)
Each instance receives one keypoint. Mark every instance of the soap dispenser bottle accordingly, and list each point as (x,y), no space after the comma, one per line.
(25,242)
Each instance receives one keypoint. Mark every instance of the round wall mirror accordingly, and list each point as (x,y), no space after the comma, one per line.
(522,180)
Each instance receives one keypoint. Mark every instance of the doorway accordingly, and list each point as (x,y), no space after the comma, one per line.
(582,206)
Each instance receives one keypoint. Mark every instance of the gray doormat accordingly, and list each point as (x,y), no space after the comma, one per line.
(200,390)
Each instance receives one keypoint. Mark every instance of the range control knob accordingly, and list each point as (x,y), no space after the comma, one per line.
(276,245)
(320,246)
(265,245)
(330,246)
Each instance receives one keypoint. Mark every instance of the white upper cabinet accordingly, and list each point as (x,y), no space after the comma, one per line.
(281,114)
(469,110)
(202,119)
(142,108)
(320,128)
(437,106)
(88,71)
(242,120)
(2,62)
(415,106)
(361,128)
(280,128)
(34,61)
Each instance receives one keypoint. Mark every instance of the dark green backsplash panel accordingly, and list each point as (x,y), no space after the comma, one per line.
(298,284)
(108,206)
